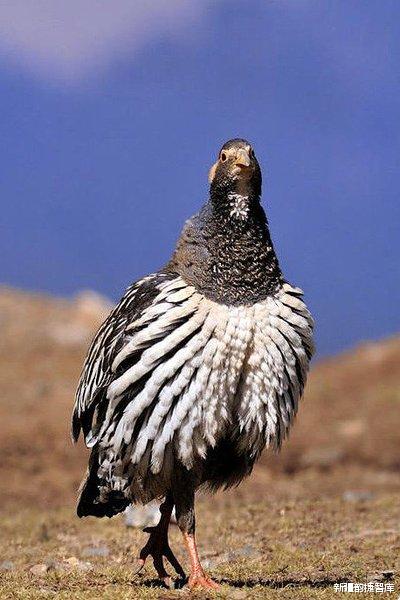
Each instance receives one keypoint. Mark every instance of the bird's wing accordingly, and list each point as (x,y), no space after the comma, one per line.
(115,333)
(148,348)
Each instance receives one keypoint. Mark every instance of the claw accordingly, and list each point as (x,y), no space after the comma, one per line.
(167,581)
(201,580)
(139,566)
(158,548)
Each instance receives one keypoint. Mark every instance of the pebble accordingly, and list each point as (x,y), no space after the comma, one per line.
(6,565)
(144,516)
(40,569)
(79,565)
(96,551)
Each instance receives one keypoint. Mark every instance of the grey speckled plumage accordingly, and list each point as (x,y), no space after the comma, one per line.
(202,364)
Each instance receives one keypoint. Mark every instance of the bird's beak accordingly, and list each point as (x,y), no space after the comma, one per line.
(242,158)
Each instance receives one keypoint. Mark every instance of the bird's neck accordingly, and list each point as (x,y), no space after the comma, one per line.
(236,207)
(235,202)
(226,251)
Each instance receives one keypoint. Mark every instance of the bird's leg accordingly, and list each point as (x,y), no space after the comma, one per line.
(184,506)
(158,547)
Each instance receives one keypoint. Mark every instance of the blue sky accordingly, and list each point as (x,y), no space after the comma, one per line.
(111,117)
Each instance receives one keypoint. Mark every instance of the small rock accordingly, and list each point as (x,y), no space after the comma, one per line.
(73,561)
(246,551)
(79,565)
(357,495)
(96,551)
(144,516)
(6,565)
(40,569)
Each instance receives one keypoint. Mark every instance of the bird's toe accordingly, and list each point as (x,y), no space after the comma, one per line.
(201,580)
(138,566)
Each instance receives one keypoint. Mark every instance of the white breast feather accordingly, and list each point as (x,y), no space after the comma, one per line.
(237,369)
(239,206)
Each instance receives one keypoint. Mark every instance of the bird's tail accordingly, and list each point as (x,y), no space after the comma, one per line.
(96,497)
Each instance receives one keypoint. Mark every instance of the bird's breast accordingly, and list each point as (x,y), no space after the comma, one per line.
(204,370)
(258,371)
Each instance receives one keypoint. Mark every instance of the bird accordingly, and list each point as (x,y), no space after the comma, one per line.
(197,370)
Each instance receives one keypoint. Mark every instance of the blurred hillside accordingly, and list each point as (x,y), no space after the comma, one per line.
(350,418)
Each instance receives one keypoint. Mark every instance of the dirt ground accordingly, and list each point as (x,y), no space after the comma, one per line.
(276,537)
(324,512)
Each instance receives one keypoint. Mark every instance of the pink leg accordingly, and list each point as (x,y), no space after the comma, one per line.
(198,577)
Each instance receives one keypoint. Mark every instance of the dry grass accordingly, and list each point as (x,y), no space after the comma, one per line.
(282,546)
(290,531)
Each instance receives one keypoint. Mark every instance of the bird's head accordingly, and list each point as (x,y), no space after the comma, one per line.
(236,170)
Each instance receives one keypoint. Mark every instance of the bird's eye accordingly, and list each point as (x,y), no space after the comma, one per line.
(223,157)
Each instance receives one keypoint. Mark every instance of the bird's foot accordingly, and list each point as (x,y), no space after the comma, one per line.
(158,548)
(199,579)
